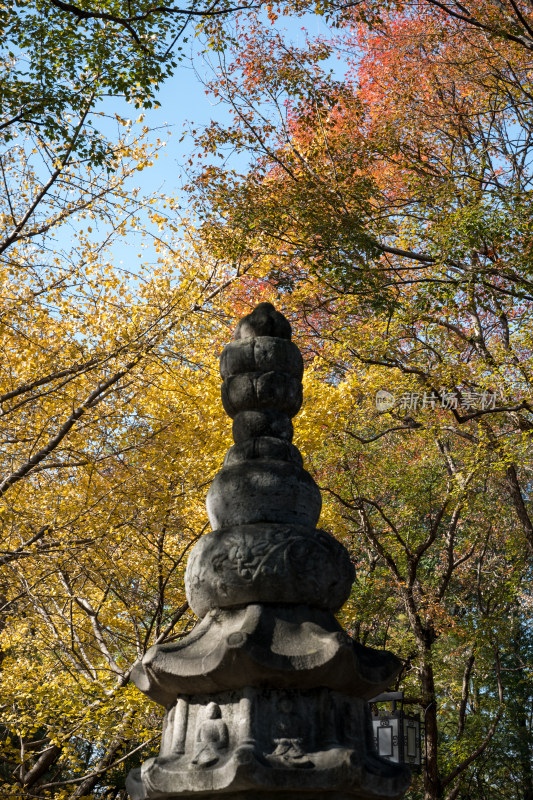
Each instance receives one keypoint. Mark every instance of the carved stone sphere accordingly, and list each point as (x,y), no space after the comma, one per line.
(268,563)
(262,490)
(261,422)
(252,390)
(261,354)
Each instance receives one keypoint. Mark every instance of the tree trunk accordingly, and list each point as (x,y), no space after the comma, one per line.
(432,783)
(43,764)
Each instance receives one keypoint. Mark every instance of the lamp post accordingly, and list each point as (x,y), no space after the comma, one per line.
(398,736)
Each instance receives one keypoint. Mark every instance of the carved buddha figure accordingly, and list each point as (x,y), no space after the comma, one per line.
(212,737)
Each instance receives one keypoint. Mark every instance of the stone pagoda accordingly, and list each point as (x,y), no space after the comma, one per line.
(266,699)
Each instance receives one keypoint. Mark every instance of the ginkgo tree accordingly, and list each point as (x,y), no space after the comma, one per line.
(106,580)
(103,371)
(442,567)
(67,167)
(88,578)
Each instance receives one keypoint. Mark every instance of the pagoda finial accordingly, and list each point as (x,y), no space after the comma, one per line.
(264,320)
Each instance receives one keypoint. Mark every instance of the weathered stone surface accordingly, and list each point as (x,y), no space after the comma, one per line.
(264,320)
(260,645)
(268,563)
(268,447)
(266,697)
(270,741)
(251,390)
(263,491)
(262,354)
(265,422)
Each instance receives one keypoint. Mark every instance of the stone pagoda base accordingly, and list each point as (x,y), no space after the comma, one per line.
(258,742)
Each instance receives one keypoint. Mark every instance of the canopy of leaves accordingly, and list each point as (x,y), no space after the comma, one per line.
(387,213)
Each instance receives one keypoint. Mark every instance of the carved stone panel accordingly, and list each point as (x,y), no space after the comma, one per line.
(268,563)
(266,738)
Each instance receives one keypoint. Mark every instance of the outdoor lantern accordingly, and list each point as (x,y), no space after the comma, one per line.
(397,735)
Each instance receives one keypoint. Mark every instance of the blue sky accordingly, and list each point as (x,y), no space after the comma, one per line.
(184,104)
(183,100)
